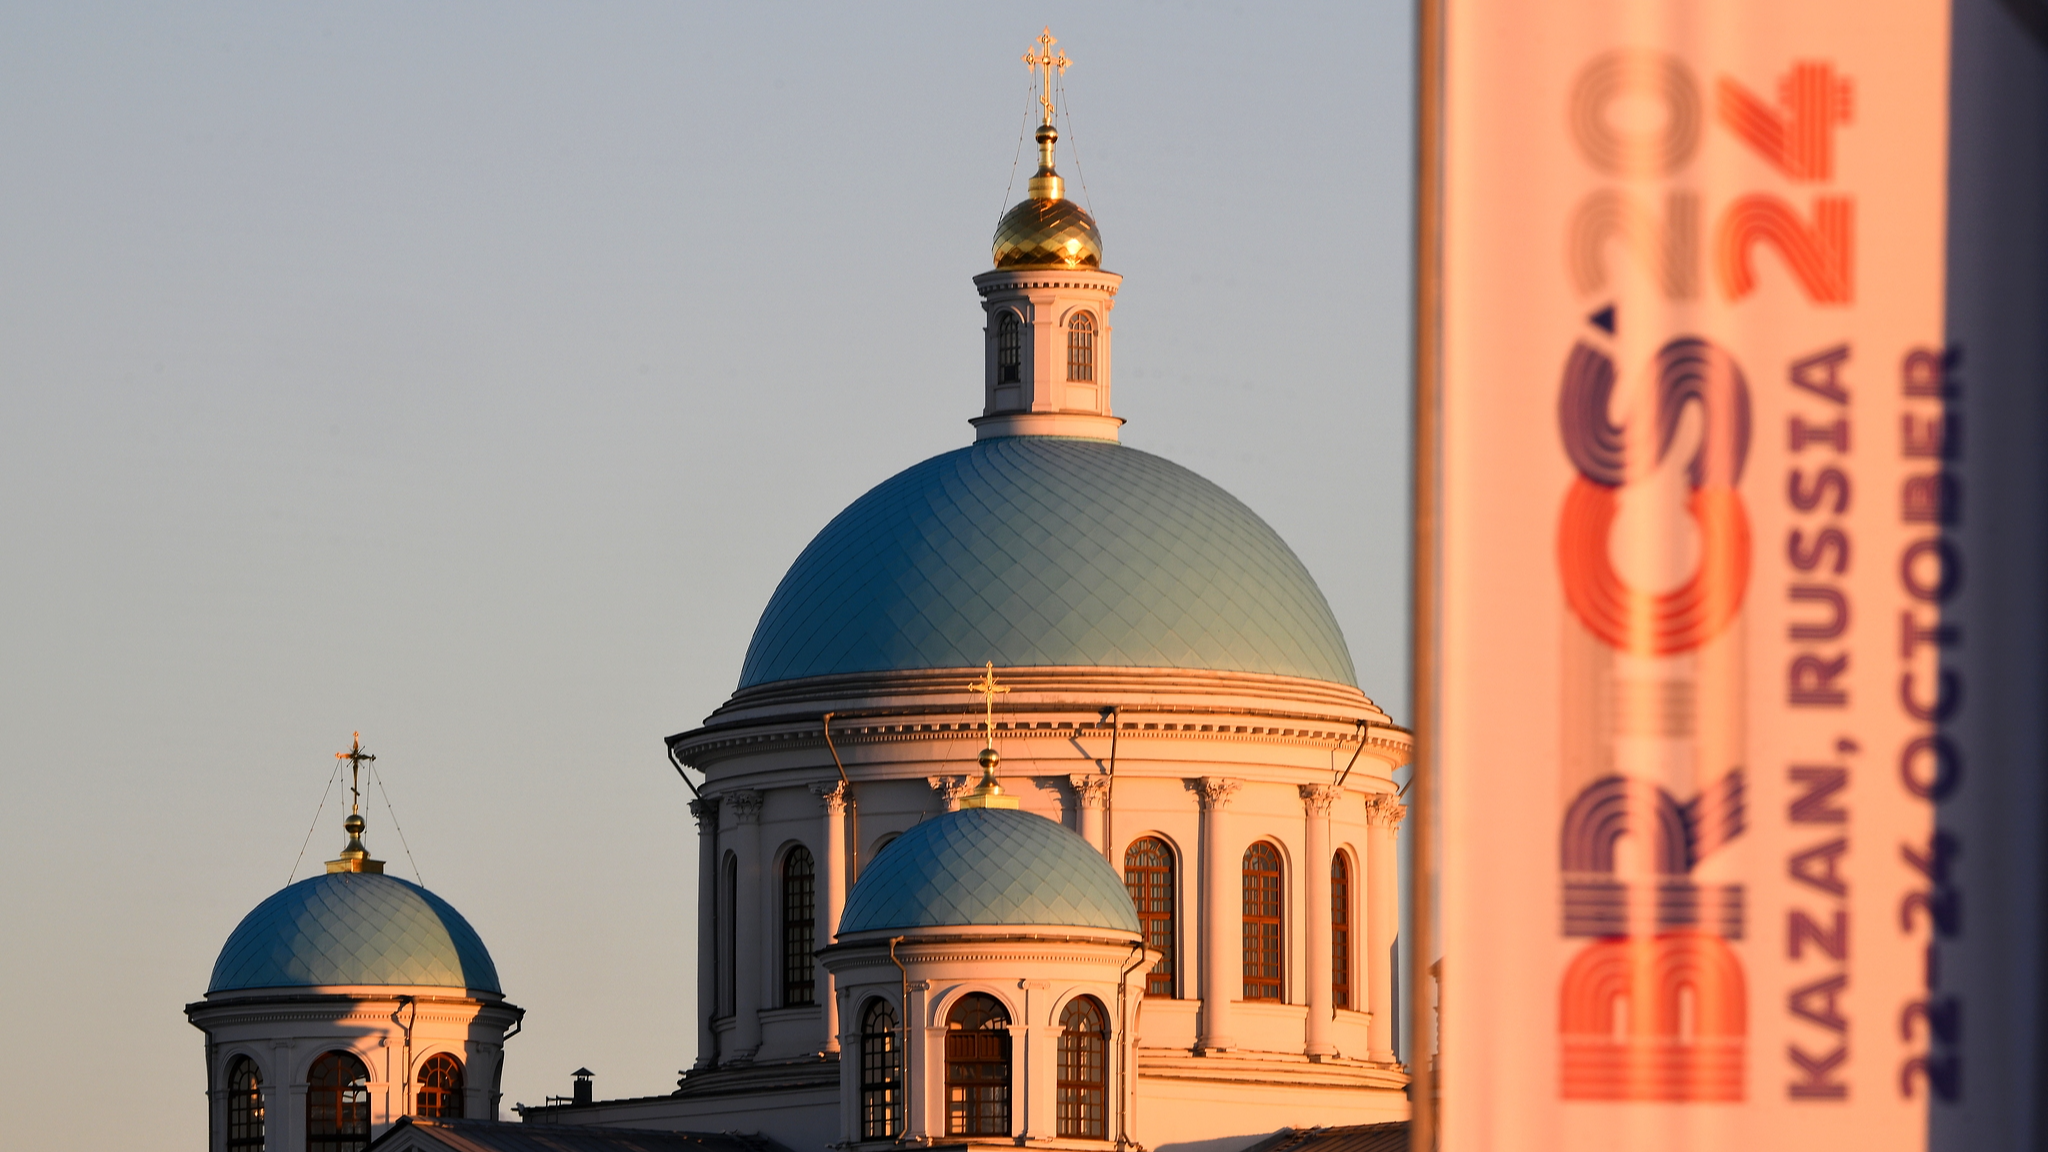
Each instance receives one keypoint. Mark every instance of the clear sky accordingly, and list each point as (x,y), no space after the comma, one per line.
(468,375)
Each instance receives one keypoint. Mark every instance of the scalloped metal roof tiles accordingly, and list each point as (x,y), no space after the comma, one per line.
(354,928)
(985,866)
(1040,551)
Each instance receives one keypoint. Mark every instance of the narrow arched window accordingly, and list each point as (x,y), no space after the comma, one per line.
(1009,349)
(799,928)
(337,1104)
(1084,1070)
(1148,874)
(1081,347)
(978,1067)
(245,1104)
(881,1072)
(440,1091)
(1340,930)
(1262,922)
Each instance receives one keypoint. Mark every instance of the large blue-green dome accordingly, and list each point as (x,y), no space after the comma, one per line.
(1041,551)
(988,866)
(354,928)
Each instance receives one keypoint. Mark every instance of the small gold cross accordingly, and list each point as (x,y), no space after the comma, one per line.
(1043,61)
(989,690)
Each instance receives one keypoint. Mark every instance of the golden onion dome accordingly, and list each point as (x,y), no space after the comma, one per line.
(1047,230)
(1048,234)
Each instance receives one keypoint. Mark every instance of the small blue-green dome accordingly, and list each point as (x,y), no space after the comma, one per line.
(988,866)
(354,928)
(1042,551)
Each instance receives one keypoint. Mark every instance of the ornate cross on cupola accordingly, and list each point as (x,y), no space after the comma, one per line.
(354,857)
(1044,63)
(988,793)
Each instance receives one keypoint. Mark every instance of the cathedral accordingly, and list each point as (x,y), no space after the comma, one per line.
(1047,811)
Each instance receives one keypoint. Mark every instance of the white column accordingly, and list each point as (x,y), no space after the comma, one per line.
(1091,793)
(1222,915)
(748,961)
(706,812)
(293,1129)
(831,898)
(950,789)
(1034,1065)
(1316,912)
(849,1090)
(924,1070)
(1383,813)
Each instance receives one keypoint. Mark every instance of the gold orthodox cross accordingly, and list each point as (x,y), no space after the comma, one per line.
(356,758)
(1043,62)
(989,690)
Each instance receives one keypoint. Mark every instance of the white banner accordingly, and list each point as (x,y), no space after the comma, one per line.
(1697,478)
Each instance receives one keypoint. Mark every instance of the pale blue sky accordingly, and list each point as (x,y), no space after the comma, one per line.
(468,374)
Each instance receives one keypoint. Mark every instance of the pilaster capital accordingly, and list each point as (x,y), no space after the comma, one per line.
(1090,788)
(833,794)
(746,806)
(950,789)
(1385,810)
(705,809)
(1215,792)
(1316,799)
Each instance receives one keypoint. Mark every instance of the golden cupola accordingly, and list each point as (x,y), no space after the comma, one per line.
(1047,230)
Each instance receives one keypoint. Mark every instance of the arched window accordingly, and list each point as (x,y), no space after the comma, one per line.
(1340,930)
(726,935)
(1262,922)
(337,1104)
(1148,873)
(1081,348)
(1084,1070)
(440,1087)
(881,1072)
(799,928)
(1009,349)
(978,1067)
(245,1104)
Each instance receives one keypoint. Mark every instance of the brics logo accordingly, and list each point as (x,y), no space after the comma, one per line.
(1654,1008)
(1679,1033)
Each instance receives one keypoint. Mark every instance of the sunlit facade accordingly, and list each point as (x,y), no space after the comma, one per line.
(1189,943)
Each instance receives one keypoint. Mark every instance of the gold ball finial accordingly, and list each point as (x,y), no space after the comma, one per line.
(989,759)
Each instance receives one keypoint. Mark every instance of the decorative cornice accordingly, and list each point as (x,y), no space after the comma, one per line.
(1073,279)
(709,749)
(1084,686)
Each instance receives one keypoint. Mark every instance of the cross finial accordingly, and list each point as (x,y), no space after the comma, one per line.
(1043,62)
(355,857)
(988,793)
(356,758)
(989,690)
